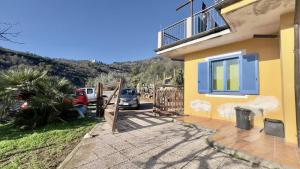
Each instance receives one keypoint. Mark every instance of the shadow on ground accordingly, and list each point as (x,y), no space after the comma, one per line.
(130,120)
(146,141)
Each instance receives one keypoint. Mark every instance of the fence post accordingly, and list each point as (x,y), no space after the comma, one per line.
(101,101)
(160,39)
(189,27)
(116,112)
(99,106)
(154,97)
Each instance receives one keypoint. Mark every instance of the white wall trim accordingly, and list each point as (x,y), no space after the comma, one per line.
(241,52)
(228,96)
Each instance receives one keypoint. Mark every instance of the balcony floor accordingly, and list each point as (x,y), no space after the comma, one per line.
(252,142)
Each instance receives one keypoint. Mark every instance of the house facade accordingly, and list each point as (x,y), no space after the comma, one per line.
(237,53)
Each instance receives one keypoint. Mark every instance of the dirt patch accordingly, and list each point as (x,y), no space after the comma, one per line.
(53,161)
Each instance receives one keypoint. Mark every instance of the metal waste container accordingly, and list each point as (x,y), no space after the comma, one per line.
(244,118)
(274,127)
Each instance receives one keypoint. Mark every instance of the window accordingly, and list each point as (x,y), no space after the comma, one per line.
(231,75)
(89,91)
(225,75)
(128,92)
(218,75)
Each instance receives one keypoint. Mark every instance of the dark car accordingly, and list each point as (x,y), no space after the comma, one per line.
(129,99)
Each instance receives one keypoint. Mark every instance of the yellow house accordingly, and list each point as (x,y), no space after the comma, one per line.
(237,53)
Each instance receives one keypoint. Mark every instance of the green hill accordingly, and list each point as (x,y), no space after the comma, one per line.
(80,71)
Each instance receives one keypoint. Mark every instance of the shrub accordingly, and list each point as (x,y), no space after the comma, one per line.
(44,94)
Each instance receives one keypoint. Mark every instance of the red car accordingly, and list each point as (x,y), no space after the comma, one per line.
(80,98)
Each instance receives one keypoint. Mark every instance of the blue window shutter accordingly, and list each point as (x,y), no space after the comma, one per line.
(203,77)
(249,74)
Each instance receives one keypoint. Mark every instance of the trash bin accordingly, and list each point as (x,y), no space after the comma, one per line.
(244,118)
(274,127)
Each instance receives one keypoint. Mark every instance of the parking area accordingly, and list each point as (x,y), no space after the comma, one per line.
(146,141)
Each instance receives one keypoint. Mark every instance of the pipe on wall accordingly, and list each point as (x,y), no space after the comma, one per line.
(297,66)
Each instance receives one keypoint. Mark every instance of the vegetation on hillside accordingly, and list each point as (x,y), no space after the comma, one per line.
(80,73)
(84,72)
(153,70)
(77,72)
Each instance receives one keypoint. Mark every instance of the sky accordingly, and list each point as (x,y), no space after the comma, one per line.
(105,30)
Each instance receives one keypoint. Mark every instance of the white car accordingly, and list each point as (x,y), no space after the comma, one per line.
(91,94)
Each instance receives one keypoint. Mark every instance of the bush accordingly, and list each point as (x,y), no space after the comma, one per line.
(44,95)
(110,80)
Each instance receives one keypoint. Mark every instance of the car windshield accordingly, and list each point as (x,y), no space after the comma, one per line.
(89,91)
(128,92)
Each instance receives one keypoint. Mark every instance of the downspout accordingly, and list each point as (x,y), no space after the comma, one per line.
(297,67)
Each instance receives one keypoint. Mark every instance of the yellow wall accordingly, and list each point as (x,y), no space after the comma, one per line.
(276,71)
(270,79)
(287,62)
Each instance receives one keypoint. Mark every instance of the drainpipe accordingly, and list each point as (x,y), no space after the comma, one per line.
(297,66)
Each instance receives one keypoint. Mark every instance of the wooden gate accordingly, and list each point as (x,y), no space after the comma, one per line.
(168,100)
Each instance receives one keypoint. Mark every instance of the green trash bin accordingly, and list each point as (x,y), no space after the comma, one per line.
(244,118)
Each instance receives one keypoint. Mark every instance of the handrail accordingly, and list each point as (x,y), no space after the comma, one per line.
(210,7)
(203,21)
(183,20)
(208,20)
(172,37)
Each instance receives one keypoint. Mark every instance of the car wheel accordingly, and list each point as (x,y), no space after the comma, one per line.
(138,107)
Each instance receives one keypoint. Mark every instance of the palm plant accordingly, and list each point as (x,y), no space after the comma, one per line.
(43,94)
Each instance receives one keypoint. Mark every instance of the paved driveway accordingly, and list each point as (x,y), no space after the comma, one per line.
(145,141)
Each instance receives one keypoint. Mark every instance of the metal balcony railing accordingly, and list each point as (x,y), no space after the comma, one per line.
(174,32)
(208,20)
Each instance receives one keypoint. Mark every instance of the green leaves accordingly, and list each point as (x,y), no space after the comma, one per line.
(44,94)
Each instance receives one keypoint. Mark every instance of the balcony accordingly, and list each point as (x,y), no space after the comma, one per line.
(209,29)
(201,24)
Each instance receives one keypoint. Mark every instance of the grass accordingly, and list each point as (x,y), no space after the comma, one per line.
(41,148)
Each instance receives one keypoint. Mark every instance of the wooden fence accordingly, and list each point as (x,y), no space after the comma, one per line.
(168,100)
(111,114)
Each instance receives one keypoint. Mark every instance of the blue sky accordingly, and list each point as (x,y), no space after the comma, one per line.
(106,30)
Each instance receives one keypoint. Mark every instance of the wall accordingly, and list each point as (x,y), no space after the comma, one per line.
(236,6)
(287,62)
(222,107)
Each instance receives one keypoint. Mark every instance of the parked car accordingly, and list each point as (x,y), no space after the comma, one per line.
(129,99)
(91,94)
(80,97)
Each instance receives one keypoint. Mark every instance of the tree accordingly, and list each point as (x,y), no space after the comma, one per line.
(44,95)
(179,77)
(6,33)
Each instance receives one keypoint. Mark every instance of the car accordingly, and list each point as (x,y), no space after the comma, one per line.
(129,99)
(80,97)
(91,94)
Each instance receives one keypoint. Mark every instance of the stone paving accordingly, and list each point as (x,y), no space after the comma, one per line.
(145,141)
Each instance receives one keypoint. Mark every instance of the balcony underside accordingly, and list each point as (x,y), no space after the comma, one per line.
(261,17)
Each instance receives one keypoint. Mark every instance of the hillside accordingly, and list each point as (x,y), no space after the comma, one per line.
(79,72)
(151,70)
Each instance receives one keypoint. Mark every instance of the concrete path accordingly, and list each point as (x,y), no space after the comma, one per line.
(145,141)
